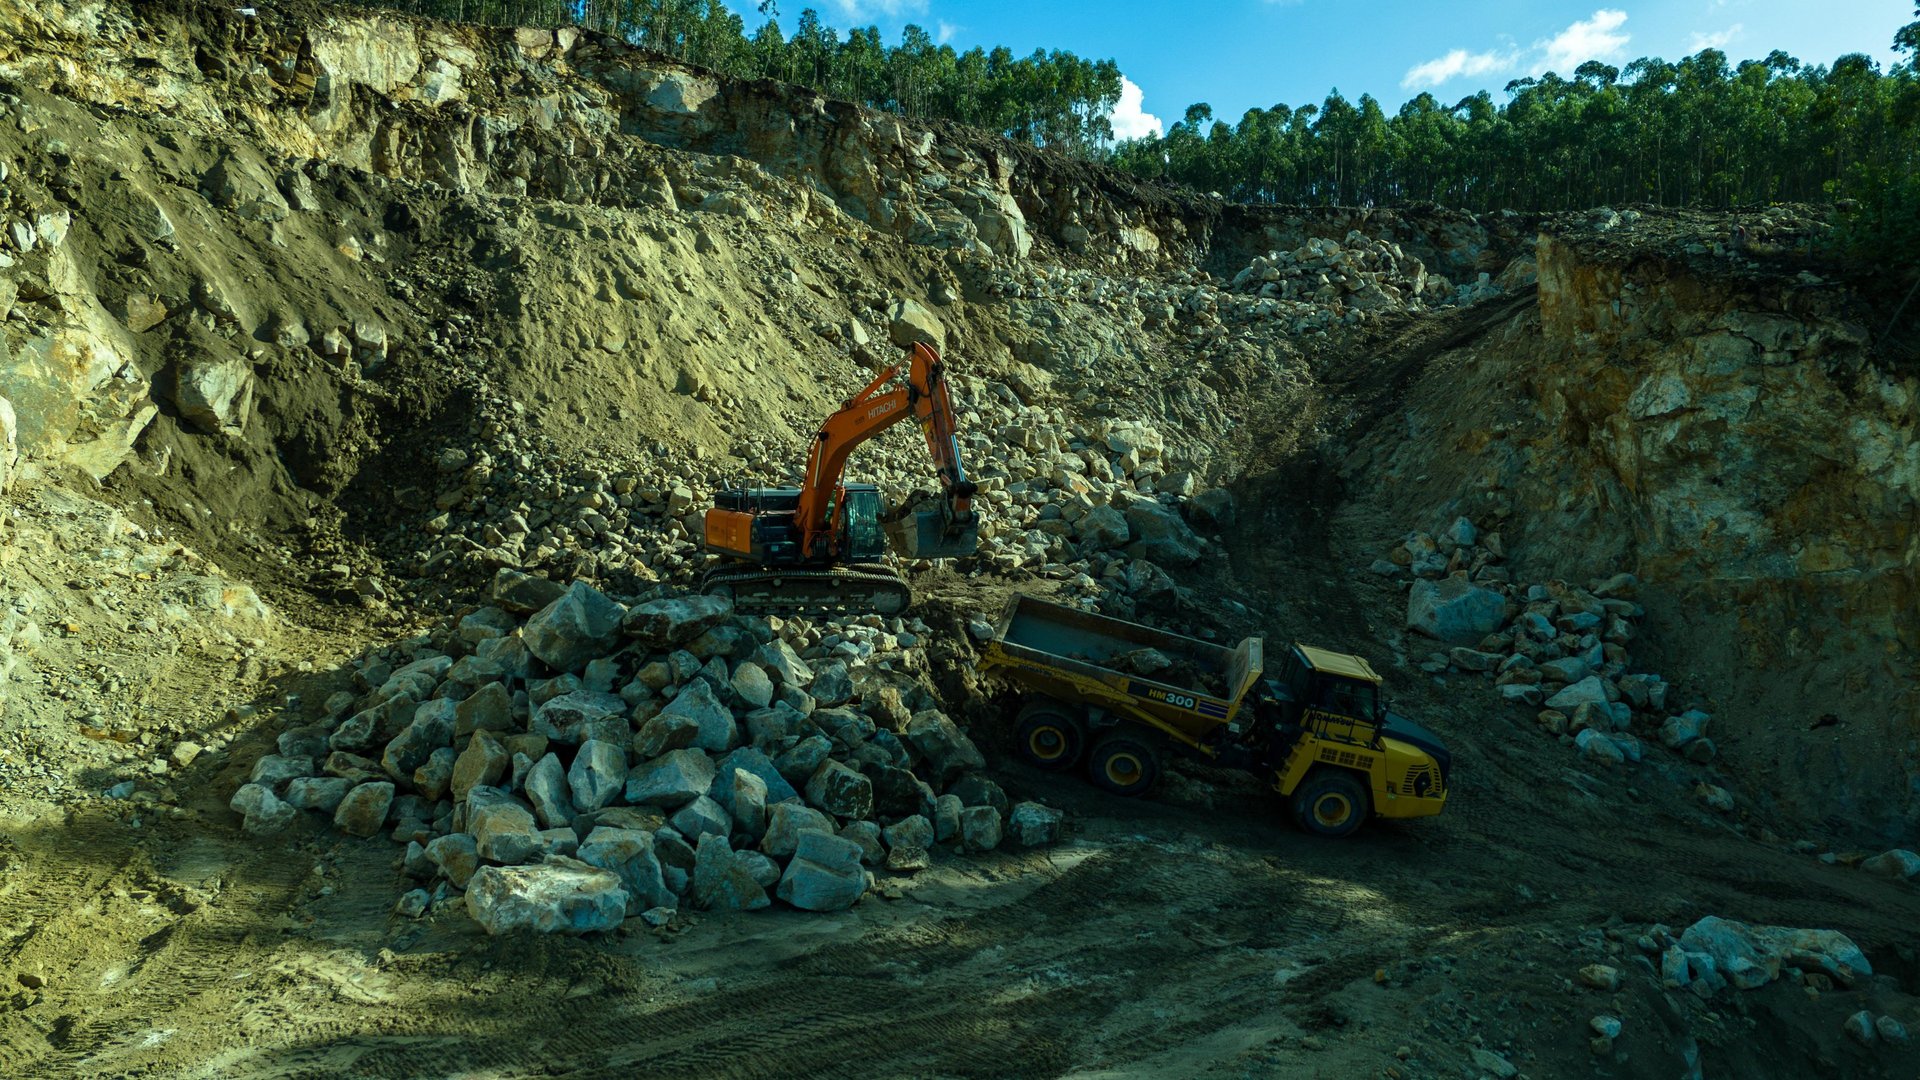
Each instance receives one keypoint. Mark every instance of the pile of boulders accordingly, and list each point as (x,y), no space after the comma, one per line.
(1320,286)
(1365,273)
(568,760)
(1555,646)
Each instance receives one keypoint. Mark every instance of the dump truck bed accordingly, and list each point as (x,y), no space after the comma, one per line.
(1076,655)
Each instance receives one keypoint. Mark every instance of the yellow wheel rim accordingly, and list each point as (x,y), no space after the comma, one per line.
(1047,743)
(1124,769)
(1332,809)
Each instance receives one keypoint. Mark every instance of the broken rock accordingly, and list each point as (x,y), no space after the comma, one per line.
(840,791)
(599,772)
(946,748)
(671,780)
(1455,610)
(725,881)
(1035,825)
(263,814)
(364,809)
(559,896)
(580,626)
(668,624)
(717,733)
(825,874)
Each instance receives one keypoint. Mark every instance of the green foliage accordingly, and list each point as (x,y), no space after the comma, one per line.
(1051,99)
(1697,132)
(1885,226)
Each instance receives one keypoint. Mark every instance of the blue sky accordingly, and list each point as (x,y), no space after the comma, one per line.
(1237,54)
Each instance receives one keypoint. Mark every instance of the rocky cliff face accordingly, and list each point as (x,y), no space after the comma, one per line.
(1749,455)
(1719,424)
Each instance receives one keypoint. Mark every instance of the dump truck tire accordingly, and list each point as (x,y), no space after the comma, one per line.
(1123,765)
(1049,735)
(1331,803)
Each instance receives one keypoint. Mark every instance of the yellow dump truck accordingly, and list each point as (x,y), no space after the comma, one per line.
(1119,695)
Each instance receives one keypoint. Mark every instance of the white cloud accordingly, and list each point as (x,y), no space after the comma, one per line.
(1595,38)
(868,10)
(1719,39)
(1129,122)
(1454,65)
(943,32)
(1598,37)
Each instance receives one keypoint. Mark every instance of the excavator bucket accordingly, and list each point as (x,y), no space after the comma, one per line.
(933,534)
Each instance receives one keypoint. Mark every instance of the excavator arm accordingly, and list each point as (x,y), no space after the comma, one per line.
(948,530)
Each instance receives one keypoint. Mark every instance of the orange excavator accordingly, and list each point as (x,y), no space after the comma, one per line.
(817,547)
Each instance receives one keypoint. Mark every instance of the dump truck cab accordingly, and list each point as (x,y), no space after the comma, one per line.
(1332,733)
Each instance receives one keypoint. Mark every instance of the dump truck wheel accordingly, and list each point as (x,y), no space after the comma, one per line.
(1330,802)
(1048,735)
(1123,765)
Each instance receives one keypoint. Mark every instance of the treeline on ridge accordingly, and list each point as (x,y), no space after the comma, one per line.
(1048,98)
(1700,132)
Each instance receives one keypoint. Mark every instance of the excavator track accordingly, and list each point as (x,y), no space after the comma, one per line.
(808,591)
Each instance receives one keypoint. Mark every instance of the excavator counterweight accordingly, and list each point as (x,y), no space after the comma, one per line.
(816,548)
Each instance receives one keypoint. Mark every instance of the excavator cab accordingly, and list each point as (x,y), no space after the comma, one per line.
(757,524)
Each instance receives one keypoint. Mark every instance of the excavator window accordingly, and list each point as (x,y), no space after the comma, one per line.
(864,540)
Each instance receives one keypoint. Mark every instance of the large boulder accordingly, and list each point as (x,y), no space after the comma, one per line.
(722,880)
(825,874)
(667,624)
(1591,690)
(456,855)
(1101,529)
(671,780)
(752,683)
(778,659)
(1898,864)
(548,789)
(909,321)
(522,592)
(431,729)
(599,772)
(947,750)
(717,733)
(503,830)
(559,896)
(215,395)
(1033,824)
(575,718)
(1455,610)
(481,764)
(1759,952)
(840,791)
(580,626)
(762,767)
(364,809)
(630,853)
(262,813)
(787,822)
(1160,535)
(1213,509)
